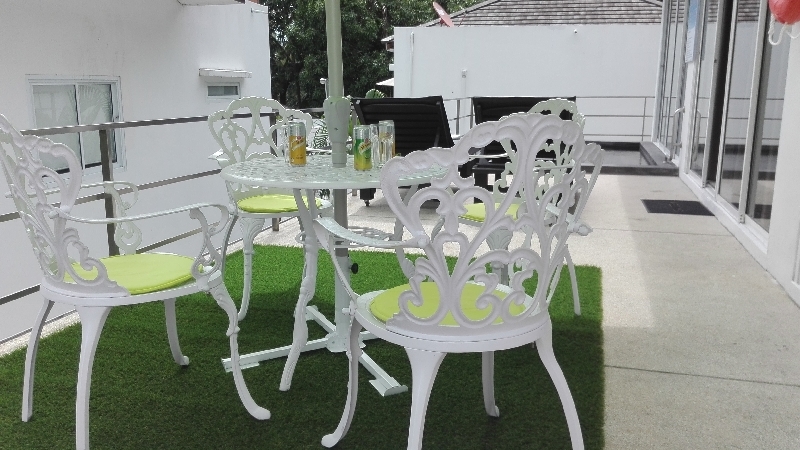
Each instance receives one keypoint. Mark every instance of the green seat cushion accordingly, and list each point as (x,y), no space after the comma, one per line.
(477,211)
(386,304)
(143,273)
(271,203)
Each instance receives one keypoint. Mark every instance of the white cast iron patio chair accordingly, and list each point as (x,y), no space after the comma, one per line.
(245,139)
(558,165)
(467,309)
(95,285)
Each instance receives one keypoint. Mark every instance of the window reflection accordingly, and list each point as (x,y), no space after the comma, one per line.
(767,133)
(739,95)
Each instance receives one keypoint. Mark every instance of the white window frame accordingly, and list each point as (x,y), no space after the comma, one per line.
(225,98)
(116,105)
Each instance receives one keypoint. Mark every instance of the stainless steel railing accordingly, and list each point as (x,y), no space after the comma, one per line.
(640,109)
(106,134)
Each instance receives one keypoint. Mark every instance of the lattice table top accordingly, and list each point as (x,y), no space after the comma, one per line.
(318,173)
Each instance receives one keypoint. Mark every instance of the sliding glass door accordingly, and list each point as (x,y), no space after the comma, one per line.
(741,81)
(767,132)
(673,69)
(741,72)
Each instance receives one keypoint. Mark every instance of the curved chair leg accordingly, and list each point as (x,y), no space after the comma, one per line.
(545,347)
(353,353)
(300,333)
(30,360)
(575,298)
(223,299)
(172,333)
(250,228)
(488,384)
(424,366)
(92,321)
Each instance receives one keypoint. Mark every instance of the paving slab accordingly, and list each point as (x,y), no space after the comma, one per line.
(672,411)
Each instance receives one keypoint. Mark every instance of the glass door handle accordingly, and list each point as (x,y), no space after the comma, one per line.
(676,139)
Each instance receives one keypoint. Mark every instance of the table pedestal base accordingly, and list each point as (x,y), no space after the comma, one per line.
(383,382)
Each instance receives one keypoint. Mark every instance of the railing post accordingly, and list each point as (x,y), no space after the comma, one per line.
(644,116)
(458,116)
(106,163)
(471,114)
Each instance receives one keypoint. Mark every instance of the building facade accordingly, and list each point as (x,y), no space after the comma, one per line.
(83,62)
(727,110)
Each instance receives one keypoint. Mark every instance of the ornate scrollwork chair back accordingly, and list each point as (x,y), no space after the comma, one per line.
(45,180)
(559,161)
(42,196)
(540,190)
(466,307)
(242,135)
(248,138)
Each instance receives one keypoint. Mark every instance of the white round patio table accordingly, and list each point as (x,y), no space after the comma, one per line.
(318,173)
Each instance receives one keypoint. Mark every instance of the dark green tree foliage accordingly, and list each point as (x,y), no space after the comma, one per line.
(298,45)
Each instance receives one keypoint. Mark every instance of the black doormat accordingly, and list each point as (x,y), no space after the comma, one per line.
(688,207)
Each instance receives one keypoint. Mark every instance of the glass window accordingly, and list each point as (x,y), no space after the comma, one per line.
(745,39)
(705,81)
(68,104)
(225,90)
(767,133)
(674,70)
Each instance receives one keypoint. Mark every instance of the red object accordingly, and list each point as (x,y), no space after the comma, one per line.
(785,11)
(443,16)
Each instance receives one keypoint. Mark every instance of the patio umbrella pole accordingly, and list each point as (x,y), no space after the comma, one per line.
(337,114)
(337,108)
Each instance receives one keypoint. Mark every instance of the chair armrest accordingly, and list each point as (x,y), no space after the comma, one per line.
(578,226)
(327,226)
(208,261)
(106,221)
(482,156)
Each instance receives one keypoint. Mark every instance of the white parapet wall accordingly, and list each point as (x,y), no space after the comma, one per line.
(612,69)
(153,50)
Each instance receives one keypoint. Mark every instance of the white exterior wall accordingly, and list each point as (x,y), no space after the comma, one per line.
(155,49)
(784,235)
(558,60)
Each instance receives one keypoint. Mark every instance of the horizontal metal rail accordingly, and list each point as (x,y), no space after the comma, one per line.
(19,294)
(104,128)
(131,124)
(643,116)
(143,187)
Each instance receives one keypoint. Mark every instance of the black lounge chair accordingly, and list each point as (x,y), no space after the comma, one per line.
(419,124)
(494,108)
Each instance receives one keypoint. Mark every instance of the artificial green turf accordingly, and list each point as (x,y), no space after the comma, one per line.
(141,399)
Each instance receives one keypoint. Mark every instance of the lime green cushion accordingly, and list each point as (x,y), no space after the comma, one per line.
(477,211)
(145,272)
(386,304)
(271,203)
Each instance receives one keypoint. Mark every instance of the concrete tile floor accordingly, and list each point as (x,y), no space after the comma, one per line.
(702,346)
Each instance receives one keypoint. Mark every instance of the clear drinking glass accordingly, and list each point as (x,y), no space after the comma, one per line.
(386,141)
(282,141)
(376,146)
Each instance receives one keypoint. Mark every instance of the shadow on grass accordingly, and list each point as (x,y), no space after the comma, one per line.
(141,399)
